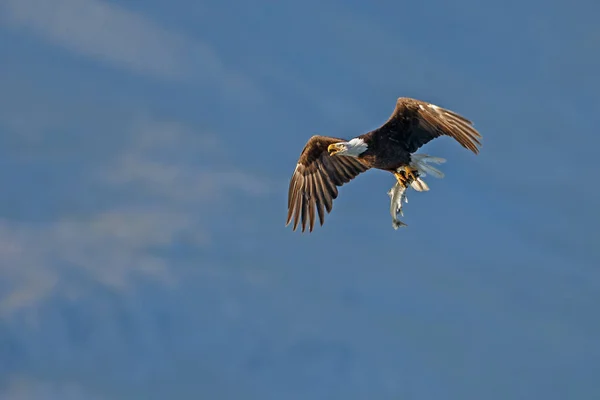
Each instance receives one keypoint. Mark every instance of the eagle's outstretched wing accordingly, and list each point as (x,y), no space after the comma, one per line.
(429,121)
(315,180)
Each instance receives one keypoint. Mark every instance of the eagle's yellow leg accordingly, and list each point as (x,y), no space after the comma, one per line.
(406,176)
(410,173)
(401,179)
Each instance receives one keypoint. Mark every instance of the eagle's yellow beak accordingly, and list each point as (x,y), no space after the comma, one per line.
(335,148)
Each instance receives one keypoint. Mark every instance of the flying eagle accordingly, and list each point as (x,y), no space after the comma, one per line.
(327,163)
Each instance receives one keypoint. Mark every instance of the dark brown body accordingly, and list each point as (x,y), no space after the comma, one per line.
(386,151)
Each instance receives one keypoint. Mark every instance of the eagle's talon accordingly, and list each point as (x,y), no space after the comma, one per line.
(410,174)
(401,180)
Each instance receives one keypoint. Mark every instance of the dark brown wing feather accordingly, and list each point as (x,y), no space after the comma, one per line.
(313,185)
(428,121)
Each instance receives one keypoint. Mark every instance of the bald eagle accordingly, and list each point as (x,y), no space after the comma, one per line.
(327,163)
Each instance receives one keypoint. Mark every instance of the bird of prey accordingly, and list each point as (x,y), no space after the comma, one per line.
(327,163)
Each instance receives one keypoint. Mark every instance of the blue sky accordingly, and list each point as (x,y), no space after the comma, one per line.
(145,152)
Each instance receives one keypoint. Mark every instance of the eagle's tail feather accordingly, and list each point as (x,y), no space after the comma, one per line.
(419,185)
(420,162)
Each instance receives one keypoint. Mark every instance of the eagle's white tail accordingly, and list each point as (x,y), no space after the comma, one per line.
(420,162)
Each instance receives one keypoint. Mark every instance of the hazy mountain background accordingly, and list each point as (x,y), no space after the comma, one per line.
(145,152)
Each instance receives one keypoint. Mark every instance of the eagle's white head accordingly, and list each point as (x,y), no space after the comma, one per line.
(352,148)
